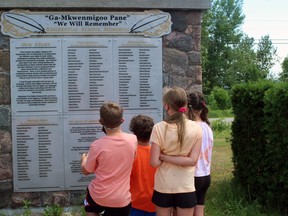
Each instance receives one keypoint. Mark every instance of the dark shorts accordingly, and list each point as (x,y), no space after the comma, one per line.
(91,206)
(202,184)
(181,200)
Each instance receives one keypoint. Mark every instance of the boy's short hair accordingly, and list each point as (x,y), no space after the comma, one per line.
(111,115)
(141,126)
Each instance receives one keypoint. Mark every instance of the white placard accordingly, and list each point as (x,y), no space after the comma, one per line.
(139,73)
(38,162)
(36,76)
(64,83)
(80,132)
(87,63)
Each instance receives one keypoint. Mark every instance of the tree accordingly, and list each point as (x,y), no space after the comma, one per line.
(284,73)
(265,55)
(220,32)
(250,64)
(228,55)
(243,67)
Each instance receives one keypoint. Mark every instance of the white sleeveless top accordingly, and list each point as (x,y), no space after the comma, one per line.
(204,161)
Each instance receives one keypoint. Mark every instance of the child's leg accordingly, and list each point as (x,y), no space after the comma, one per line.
(163,211)
(199,210)
(185,211)
(174,212)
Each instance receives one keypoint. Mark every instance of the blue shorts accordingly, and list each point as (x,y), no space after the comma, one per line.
(137,212)
(181,200)
(91,206)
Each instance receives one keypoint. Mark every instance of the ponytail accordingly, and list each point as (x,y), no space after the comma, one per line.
(196,102)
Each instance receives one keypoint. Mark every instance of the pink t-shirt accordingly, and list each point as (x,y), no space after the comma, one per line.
(111,159)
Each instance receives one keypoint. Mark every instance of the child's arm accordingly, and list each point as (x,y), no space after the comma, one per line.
(83,161)
(190,160)
(155,155)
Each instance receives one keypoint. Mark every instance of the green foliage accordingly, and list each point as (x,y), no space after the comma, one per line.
(244,67)
(225,196)
(228,198)
(248,135)
(219,99)
(220,113)
(259,141)
(220,30)
(2,214)
(77,211)
(275,110)
(265,55)
(27,208)
(220,125)
(228,55)
(54,210)
(284,73)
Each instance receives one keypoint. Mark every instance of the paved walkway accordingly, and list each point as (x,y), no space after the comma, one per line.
(225,119)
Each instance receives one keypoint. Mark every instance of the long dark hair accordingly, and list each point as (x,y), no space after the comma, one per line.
(196,102)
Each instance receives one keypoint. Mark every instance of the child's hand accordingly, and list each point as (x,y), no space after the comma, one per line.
(162,157)
(83,161)
(84,158)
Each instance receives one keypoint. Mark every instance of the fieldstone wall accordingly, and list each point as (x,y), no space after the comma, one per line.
(181,67)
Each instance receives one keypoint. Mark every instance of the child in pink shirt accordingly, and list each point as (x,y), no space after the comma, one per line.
(110,158)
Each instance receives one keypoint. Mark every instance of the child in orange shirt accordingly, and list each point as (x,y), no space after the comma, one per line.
(142,176)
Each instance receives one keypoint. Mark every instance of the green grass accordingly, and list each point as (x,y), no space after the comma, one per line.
(225,198)
(220,113)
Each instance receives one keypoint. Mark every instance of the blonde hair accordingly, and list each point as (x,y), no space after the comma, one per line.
(176,98)
(111,115)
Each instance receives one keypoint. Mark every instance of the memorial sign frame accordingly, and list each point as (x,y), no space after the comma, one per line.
(57,133)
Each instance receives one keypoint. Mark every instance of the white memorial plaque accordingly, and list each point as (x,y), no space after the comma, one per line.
(80,132)
(87,63)
(38,153)
(58,87)
(139,74)
(36,76)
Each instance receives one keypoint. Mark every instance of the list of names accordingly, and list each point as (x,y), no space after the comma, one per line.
(57,90)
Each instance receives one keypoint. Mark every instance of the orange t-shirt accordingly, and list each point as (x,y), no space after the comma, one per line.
(142,180)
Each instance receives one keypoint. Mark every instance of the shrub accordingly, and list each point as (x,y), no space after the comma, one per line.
(259,141)
(54,210)
(27,208)
(220,125)
(248,136)
(219,98)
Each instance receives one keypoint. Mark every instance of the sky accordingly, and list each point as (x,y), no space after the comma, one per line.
(268,17)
